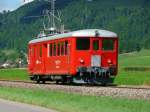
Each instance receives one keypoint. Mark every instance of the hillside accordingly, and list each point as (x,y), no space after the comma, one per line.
(130,19)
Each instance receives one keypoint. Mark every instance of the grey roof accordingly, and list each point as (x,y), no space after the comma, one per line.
(79,33)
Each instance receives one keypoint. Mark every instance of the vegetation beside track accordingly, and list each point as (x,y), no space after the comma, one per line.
(65,102)
(13,74)
(134,59)
(133,78)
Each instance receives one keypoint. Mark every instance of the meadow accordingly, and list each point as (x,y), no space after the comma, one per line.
(13,74)
(134,59)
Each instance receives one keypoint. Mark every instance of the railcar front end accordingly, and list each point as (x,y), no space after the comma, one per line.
(96,59)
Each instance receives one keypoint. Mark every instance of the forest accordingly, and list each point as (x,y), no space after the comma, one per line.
(130,19)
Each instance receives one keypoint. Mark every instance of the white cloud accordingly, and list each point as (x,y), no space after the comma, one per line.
(27,1)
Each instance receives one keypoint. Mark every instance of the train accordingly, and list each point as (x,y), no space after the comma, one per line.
(83,56)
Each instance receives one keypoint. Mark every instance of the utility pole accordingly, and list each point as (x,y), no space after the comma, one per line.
(53,12)
(51,17)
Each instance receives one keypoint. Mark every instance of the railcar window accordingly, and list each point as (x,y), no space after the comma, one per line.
(31,51)
(40,53)
(45,45)
(36,51)
(62,48)
(54,53)
(50,49)
(66,47)
(58,49)
(108,44)
(96,45)
(83,44)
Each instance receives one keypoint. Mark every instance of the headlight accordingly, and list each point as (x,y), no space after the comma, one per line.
(81,60)
(109,61)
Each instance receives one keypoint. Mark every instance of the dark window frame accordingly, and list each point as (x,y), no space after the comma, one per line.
(83,43)
(66,47)
(111,45)
(55,49)
(50,49)
(62,48)
(40,51)
(96,45)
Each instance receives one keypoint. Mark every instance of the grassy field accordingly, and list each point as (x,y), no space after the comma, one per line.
(135,59)
(65,102)
(133,78)
(14,74)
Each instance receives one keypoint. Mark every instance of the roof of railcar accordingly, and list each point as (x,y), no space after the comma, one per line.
(79,33)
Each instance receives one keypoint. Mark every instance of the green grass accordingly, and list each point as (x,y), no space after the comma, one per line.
(134,59)
(132,78)
(65,102)
(14,74)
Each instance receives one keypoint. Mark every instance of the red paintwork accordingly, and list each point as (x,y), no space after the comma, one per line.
(67,65)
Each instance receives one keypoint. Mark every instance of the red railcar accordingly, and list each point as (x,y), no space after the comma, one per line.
(89,56)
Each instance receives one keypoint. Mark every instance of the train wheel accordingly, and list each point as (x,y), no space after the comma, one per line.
(57,81)
(38,79)
(43,81)
(104,84)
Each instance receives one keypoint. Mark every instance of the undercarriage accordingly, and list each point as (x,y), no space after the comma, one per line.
(85,75)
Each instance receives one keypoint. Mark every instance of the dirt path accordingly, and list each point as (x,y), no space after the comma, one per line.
(9,106)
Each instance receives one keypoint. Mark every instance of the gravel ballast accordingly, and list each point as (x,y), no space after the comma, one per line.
(130,93)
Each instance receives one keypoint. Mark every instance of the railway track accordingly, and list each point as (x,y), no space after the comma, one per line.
(131,92)
(85,85)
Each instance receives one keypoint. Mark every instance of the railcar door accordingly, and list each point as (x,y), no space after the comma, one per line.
(44,57)
(31,58)
(38,68)
(95,52)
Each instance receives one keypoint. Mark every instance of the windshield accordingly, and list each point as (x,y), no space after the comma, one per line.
(108,44)
(83,43)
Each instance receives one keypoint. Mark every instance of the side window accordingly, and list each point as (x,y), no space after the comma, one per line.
(40,51)
(50,49)
(58,49)
(54,50)
(36,51)
(32,51)
(45,45)
(62,48)
(108,44)
(96,45)
(66,47)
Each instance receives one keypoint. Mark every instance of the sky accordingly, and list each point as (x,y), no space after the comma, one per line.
(11,4)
